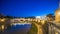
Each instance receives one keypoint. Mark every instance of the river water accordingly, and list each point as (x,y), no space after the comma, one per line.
(17,29)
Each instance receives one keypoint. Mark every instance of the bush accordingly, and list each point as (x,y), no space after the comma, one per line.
(33,29)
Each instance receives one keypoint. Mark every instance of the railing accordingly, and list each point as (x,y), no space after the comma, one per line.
(54,28)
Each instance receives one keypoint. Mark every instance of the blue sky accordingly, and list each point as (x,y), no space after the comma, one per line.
(28,7)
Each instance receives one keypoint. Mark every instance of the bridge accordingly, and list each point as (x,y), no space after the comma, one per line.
(53,28)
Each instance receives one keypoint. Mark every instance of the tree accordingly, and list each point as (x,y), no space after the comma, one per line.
(51,17)
(2,15)
(9,16)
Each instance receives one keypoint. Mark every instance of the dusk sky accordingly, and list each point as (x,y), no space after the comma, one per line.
(28,7)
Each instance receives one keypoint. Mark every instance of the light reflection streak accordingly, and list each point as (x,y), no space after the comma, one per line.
(20,23)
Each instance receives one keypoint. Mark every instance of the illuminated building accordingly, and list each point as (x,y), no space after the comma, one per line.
(57,15)
(41,17)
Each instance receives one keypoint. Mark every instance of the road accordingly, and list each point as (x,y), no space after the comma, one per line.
(39,28)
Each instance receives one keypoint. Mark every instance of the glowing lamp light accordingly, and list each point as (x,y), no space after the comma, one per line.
(2,20)
(2,27)
(59,13)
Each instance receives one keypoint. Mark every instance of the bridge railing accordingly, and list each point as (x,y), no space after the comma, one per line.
(54,28)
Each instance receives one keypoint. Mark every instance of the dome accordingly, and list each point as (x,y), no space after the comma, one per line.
(58,10)
(57,15)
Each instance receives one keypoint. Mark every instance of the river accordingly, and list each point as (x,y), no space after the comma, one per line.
(17,29)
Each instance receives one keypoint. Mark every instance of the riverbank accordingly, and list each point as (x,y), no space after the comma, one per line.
(33,29)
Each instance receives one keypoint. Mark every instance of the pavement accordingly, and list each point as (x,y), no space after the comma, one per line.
(39,28)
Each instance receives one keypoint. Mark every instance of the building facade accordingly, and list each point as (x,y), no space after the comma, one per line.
(57,15)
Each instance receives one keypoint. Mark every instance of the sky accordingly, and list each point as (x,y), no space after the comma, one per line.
(28,7)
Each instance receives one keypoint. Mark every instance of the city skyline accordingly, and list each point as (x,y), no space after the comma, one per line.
(28,7)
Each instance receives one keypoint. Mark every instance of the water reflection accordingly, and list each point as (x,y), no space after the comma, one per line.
(17,29)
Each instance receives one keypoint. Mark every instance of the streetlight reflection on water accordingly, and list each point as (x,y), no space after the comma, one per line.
(2,27)
(20,23)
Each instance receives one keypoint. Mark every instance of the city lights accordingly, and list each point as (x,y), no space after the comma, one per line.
(30,17)
(2,20)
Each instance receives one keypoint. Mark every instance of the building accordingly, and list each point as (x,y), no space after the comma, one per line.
(57,15)
(41,17)
(17,20)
